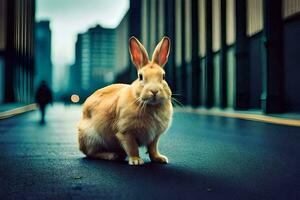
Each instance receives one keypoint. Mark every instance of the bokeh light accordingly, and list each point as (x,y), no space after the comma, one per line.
(75,98)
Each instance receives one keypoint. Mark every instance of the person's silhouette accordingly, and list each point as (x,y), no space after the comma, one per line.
(42,98)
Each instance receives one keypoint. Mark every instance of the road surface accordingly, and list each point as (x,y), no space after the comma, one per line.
(210,158)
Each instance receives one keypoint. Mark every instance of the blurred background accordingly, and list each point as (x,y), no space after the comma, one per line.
(234,65)
(228,54)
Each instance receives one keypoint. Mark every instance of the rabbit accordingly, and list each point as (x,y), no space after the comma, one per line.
(120,118)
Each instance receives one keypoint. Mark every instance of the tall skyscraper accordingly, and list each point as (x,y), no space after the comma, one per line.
(43,64)
(96,57)
(16,50)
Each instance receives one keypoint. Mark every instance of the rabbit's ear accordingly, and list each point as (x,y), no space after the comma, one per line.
(139,55)
(161,52)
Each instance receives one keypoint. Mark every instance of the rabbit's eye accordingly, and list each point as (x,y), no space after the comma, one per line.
(164,76)
(140,77)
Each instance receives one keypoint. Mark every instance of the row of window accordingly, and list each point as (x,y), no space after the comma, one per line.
(153,22)
(95,50)
(24,46)
(2,25)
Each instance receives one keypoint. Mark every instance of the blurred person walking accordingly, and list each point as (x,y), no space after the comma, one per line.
(42,98)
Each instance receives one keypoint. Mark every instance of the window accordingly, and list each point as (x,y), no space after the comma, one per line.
(230,22)
(160,19)
(188,30)
(202,29)
(254,16)
(2,24)
(153,30)
(145,26)
(216,25)
(290,8)
(178,28)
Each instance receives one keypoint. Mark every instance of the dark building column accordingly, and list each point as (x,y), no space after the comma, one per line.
(170,32)
(195,55)
(9,95)
(272,95)
(223,66)
(135,28)
(184,90)
(32,51)
(242,58)
(135,18)
(209,57)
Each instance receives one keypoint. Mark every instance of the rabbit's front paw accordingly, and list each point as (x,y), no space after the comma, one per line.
(135,161)
(159,159)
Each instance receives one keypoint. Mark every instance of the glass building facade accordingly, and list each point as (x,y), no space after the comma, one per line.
(43,63)
(96,57)
(235,54)
(16,50)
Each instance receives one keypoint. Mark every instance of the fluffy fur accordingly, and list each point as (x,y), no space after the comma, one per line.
(119,118)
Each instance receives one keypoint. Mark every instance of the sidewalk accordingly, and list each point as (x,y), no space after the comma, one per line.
(12,109)
(288,119)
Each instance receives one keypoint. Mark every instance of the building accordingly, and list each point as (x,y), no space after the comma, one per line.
(122,38)
(101,55)
(74,79)
(237,54)
(16,50)
(43,63)
(95,57)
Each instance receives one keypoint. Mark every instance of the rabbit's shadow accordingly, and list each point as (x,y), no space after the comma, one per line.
(175,178)
(122,164)
(171,173)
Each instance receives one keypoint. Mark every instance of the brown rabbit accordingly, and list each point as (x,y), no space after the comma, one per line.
(119,118)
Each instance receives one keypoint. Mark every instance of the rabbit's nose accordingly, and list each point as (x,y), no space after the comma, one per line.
(154,92)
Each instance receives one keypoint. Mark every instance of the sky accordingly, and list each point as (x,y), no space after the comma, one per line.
(70,17)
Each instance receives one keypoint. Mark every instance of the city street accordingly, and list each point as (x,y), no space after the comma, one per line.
(210,158)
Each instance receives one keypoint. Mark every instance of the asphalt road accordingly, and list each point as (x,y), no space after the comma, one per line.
(210,158)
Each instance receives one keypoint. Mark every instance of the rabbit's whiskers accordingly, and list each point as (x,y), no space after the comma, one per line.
(177,102)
